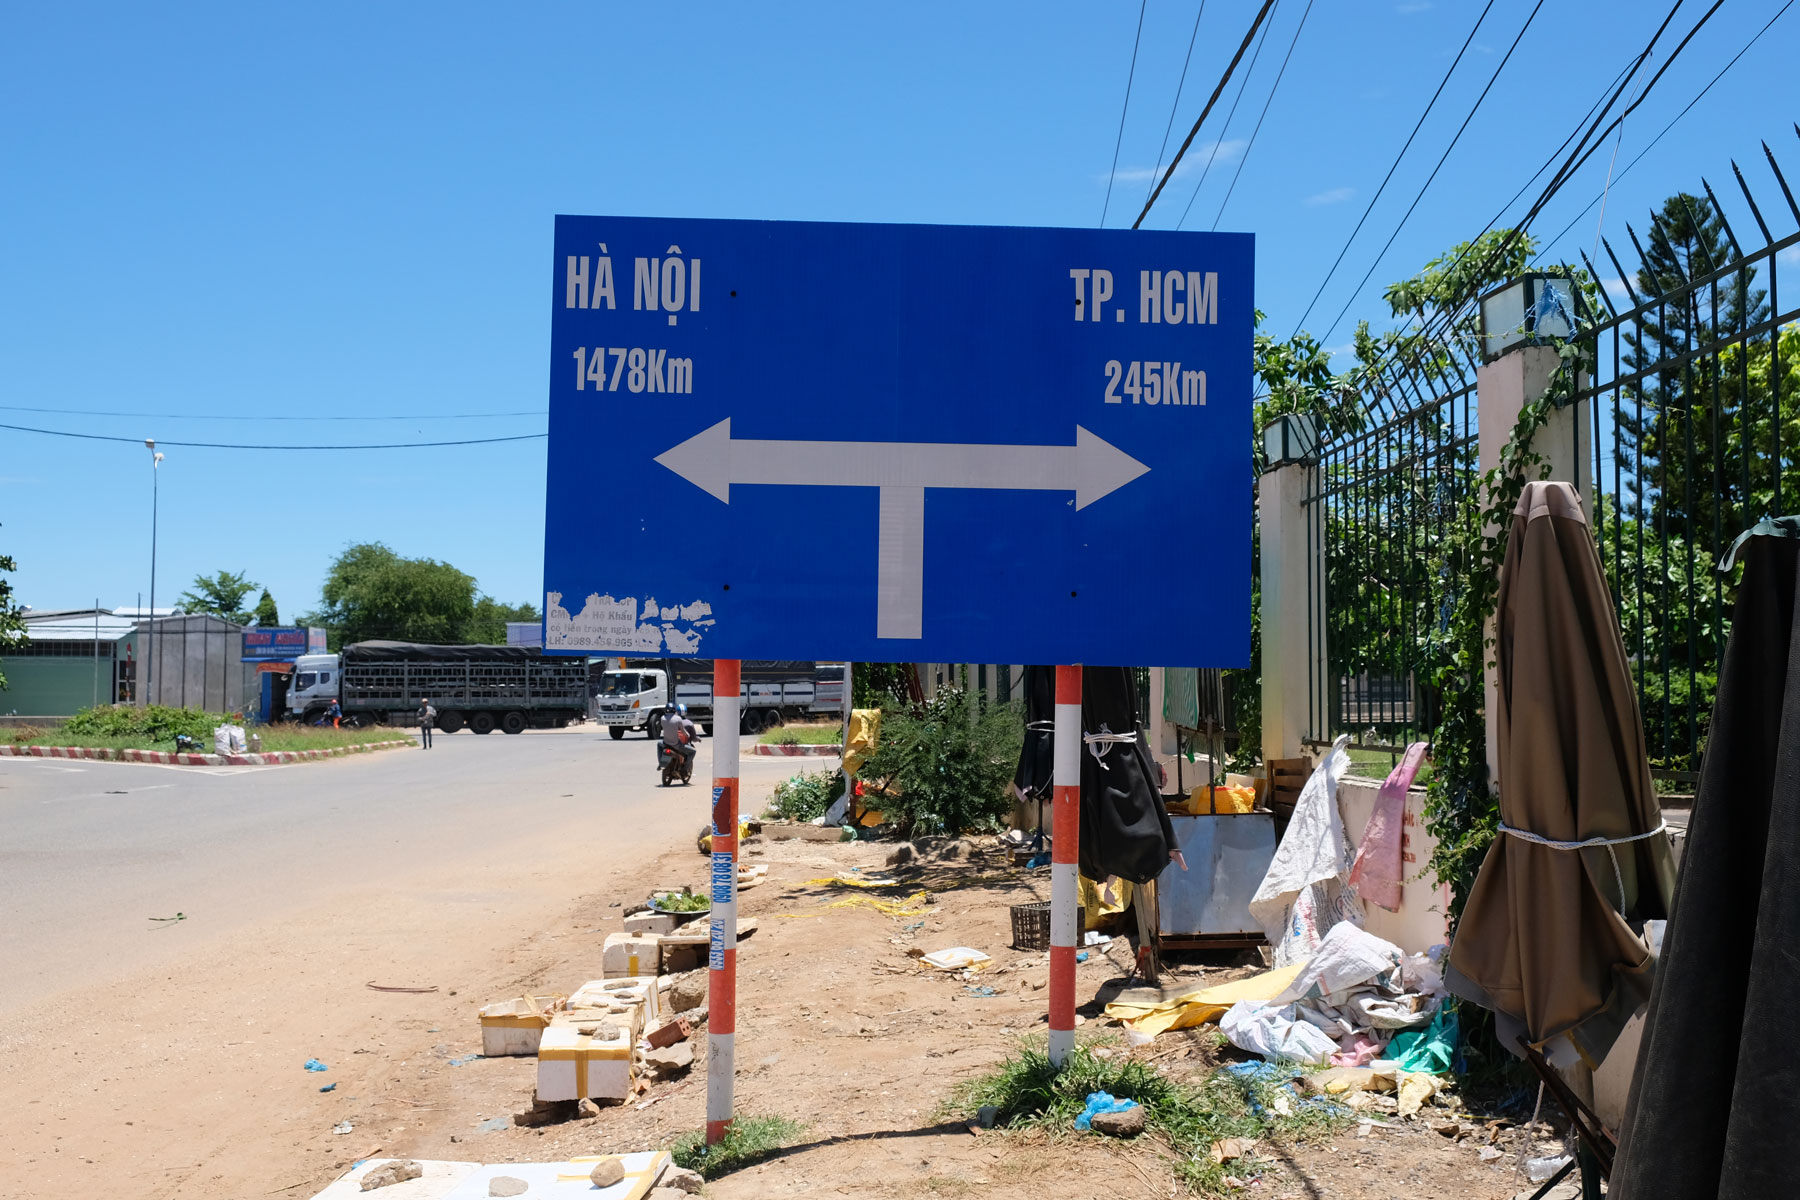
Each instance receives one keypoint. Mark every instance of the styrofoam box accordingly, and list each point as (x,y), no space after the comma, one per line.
(576,1066)
(513,1027)
(651,922)
(642,1170)
(437,1183)
(629,956)
(638,1001)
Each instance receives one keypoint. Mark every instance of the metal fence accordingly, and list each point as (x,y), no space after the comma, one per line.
(1692,415)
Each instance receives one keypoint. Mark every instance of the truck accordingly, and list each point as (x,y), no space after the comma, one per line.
(632,696)
(483,688)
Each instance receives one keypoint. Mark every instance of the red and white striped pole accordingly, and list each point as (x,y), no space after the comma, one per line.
(1065,853)
(721,1020)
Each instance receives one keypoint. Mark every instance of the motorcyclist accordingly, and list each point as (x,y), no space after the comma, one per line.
(679,734)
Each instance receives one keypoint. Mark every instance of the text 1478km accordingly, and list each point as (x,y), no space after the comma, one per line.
(633,368)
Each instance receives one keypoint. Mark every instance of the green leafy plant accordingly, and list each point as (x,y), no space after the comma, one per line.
(747,1141)
(685,901)
(806,796)
(12,624)
(944,767)
(153,723)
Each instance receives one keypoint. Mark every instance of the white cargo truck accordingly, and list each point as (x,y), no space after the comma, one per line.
(632,697)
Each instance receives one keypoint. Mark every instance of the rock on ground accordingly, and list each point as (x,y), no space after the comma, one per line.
(672,1060)
(388,1174)
(1127,1123)
(688,992)
(680,1179)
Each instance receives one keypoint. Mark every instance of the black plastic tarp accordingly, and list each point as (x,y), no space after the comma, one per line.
(1715,1099)
(1125,828)
(372,652)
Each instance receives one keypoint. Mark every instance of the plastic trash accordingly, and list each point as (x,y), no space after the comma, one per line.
(1101,1102)
(1431,1050)
(983,990)
(1134,1038)
(1081,957)
(464,1060)
(1539,1169)
(313,1064)
(956,958)
(342,1127)
(330,1087)
(1095,938)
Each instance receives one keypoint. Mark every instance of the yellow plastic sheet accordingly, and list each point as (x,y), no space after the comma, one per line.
(865,733)
(910,906)
(851,881)
(1221,800)
(1202,1005)
(1094,899)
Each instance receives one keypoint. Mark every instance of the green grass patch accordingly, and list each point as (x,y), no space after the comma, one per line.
(155,727)
(1375,764)
(747,1141)
(1029,1093)
(804,797)
(803,735)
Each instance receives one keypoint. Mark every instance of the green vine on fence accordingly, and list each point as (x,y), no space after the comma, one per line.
(1461,810)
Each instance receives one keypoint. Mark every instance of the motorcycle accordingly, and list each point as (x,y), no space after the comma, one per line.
(674,765)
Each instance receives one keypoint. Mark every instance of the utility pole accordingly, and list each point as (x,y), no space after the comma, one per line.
(155,474)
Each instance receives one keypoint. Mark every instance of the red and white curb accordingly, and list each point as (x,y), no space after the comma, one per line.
(797,751)
(272,758)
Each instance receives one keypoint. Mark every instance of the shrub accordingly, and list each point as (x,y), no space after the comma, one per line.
(940,771)
(153,723)
(806,796)
(747,1140)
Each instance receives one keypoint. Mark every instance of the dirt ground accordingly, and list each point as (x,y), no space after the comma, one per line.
(838,1028)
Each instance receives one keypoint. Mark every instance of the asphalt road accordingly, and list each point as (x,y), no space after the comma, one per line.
(91,851)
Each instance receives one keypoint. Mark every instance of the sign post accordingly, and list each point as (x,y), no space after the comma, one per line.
(1065,855)
(721,991)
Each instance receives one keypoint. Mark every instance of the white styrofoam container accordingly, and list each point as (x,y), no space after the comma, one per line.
(512,1028)
(576,1066)
(437,1183)
(630,956)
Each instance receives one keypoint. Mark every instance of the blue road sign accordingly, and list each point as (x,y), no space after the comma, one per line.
(899,443)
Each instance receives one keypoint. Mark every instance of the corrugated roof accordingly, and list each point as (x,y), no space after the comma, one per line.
(76,628)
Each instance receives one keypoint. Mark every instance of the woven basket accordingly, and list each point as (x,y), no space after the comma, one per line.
(1031,925)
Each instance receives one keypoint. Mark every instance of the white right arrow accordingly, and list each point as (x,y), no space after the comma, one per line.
(713,461)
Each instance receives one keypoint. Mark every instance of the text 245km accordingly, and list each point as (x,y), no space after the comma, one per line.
(1154,383)
(633,368)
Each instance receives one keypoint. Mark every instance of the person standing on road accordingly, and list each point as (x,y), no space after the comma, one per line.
(427,715)
(335,713)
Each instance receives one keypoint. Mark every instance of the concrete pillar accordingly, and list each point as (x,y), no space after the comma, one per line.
(1293,608)
(1503,387)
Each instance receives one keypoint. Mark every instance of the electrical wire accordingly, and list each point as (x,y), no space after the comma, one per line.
(1180,84)
(1218,90)
(1251,145)
(166,416)
(1123,109)
(1419,124)
(1230,113)
(1447,316)
(102,437)
(1460,129)
(1651,144)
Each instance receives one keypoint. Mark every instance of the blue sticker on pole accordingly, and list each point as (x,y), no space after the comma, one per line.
(995,430)
(724,874)
(715,955)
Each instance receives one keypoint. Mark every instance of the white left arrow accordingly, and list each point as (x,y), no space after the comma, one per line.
(713,461)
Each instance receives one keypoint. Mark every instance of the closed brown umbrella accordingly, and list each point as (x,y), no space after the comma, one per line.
(1545,940)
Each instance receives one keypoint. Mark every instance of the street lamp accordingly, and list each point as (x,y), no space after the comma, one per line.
(150,656)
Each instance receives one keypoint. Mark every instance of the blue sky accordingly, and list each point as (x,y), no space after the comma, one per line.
(332,212)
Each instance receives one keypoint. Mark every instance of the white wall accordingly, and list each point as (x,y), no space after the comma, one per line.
(1423,919)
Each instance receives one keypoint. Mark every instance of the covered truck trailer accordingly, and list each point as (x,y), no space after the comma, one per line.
(511,688)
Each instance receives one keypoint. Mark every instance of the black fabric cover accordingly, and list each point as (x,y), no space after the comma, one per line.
(1125,828)
(1715,1100)
(370,652)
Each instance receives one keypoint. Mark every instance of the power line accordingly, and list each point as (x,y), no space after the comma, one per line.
(1211,100)
(1180,84)
(1449,314)
(102,437)
(101,412)
(1393,167)
(1651,144)
(1123,109)
(1476,107)
(1265,112)
(1226,127)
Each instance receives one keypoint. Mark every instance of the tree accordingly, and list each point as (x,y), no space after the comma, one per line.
(12,624)
(487,623)
(266,613)
(372,593)
(221,594)
(1683,427)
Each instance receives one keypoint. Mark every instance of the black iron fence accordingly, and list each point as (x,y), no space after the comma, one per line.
(1691,409)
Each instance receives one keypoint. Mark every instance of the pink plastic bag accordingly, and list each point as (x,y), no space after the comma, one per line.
(1377,873)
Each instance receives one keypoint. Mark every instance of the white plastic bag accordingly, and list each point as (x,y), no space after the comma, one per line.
(1347,957)
(1273,1033)
(222,739)
(1304,893)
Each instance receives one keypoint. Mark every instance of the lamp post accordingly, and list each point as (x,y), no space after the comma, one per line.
(150,657)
